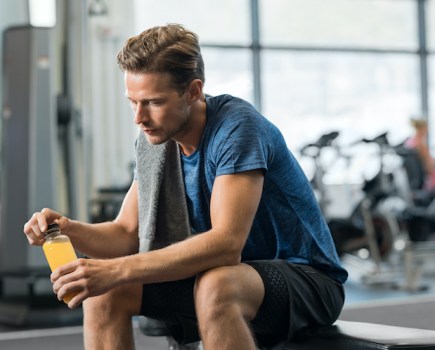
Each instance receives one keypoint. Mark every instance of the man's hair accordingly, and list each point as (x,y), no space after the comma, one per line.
(165,49)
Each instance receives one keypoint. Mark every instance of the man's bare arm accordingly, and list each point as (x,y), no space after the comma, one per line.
(103,240)
(234,202)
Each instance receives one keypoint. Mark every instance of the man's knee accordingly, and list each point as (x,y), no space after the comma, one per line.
(215,286)
(214,296)
(237,289)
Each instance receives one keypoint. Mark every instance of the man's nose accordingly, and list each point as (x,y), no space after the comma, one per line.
(141,115)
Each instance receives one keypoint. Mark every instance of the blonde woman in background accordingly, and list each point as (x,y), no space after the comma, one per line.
(419,142)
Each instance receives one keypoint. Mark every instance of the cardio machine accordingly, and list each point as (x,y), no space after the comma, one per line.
(366,227)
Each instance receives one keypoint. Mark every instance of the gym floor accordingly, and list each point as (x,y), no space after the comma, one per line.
(388,300)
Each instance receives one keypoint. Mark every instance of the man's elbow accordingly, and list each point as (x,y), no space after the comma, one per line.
(233,255)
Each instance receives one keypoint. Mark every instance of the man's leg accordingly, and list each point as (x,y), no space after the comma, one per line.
(107,318)
(226,299)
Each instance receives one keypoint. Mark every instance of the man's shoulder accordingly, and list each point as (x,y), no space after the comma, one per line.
(227,103)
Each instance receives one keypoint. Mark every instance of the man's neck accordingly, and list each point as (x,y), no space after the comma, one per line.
(190,140)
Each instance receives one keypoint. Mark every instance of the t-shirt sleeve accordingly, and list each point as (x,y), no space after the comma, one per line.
(240,146)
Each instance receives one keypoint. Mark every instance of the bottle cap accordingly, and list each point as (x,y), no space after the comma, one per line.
(52,228)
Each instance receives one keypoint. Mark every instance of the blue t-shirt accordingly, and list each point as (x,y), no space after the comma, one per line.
(288,224)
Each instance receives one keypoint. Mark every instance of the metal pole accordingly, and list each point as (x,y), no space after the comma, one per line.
(256,62)
(422,50)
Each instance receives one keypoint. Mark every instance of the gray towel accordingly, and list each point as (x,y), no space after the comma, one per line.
(163,215)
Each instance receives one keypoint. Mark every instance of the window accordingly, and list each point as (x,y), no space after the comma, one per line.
(228,72)
(224,32)
(359,94)
(216,22)
(350,66)
(313,65)
(430,24)
(430,30)
(339,23)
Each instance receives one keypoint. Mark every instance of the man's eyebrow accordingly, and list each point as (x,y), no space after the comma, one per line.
(141,100)
(150,99)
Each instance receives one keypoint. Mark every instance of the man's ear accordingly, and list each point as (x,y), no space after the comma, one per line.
(194,90)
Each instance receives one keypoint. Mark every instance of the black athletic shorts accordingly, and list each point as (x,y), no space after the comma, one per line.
(295,296)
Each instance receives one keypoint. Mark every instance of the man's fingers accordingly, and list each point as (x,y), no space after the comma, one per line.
(32,230)
(77,299)
(37,225)
(46,216)
(65,270)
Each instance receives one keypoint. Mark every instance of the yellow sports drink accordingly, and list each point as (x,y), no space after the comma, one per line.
(58,251)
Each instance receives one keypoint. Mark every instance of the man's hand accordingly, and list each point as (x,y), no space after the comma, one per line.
(38,224)
(85,278)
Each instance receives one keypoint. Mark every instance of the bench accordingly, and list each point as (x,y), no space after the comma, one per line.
(346,335)
(343,335)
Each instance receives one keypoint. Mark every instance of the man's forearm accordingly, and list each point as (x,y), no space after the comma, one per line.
(103,240)
(181,260)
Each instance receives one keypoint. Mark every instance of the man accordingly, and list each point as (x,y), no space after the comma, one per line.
(261,263)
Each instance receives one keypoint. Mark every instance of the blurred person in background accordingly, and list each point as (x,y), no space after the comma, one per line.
(419,142)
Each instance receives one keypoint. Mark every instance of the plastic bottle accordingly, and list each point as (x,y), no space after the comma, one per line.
(58,251)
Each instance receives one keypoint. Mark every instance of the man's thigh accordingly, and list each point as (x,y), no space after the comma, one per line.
(295,296)
(174,302)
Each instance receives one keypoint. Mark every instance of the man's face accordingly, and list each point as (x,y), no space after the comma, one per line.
(158,108)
